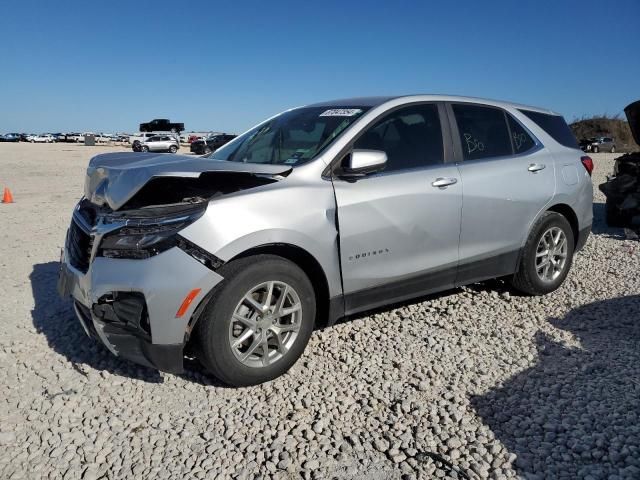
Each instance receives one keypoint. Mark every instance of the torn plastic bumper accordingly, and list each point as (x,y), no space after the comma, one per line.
(131,305)
(134,345)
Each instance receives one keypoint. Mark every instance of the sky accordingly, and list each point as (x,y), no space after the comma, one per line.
(225,66)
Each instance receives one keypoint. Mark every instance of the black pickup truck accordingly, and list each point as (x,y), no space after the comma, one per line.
(161,125)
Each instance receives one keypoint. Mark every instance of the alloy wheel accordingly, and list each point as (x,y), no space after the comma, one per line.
(265,324)
(551,254)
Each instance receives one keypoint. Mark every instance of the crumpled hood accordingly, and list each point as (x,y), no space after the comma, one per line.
(113,178)
(632,112)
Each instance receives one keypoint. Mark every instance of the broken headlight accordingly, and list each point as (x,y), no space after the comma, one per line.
(145,236)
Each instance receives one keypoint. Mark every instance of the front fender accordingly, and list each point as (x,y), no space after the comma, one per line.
(301,216)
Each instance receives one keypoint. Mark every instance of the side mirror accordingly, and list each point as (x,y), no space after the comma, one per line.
(363,162)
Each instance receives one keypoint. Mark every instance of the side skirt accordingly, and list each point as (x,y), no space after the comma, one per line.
(420,285)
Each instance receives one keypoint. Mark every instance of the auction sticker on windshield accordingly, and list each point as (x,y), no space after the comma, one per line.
(341,112)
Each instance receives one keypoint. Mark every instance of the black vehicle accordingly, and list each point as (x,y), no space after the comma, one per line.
(200,147)
(585,144)
(10,137)
(622,189)
(161,125)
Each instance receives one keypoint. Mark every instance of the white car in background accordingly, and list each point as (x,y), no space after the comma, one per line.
(42,138)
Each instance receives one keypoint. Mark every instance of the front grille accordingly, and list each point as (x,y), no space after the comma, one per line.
(88,211)
(79,245)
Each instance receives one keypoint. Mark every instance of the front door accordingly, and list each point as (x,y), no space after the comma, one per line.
(399,228)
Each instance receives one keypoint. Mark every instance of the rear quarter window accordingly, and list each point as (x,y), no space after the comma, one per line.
(555,126)
(522,141)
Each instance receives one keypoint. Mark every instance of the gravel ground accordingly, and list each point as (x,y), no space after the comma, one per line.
(503,386)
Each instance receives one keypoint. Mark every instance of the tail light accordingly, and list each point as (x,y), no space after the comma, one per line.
(588,164)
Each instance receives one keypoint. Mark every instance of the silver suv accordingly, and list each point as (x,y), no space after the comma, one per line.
(603,144)
(319,213)
(159,143)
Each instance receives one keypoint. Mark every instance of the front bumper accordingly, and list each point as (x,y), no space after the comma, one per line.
(154,335)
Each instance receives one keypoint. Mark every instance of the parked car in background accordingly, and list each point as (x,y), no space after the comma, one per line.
(603,144)
(210,144)
(42,138)
(75,137)
(157,143)
(144,136)
(10,137)
(240,254)
(161,125)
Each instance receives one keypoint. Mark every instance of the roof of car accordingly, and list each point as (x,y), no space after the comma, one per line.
(376,101)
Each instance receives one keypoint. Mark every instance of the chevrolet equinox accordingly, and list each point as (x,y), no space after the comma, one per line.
(318,213)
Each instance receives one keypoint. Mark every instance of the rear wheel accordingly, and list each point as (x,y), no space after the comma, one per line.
(613,149)
(258,322)
(144,148)
(546,257)
(173,149)
(595,149)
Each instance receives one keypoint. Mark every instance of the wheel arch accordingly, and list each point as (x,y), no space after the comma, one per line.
(309,265)
(567,212)
(303,259)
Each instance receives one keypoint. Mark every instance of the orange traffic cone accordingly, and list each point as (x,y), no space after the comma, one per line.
(7,197)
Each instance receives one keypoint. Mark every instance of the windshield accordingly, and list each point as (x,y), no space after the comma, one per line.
(292,137)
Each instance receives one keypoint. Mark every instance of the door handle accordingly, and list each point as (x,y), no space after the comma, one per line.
(441,182)
(536,167)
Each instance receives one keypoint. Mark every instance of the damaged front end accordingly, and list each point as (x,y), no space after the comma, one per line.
(125,263)
(622,189)
(137,205)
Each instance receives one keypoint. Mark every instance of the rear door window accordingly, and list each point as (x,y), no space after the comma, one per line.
(483,131)
(555,126)
(522,141)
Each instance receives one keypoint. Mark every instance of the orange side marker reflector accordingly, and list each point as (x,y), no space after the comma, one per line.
(187,301)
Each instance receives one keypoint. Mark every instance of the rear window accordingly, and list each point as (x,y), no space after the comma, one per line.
(555,126)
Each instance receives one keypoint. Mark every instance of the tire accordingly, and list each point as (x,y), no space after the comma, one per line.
(144,148)
(614,217)
(527,279)
(207,150)
(595,149)
(173,149)
(218,326)
(613,149)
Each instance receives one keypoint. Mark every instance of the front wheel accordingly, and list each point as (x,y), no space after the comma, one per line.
(546,257)
(595,149)
(613,149)
(258,322)
(144,148)
(173,149)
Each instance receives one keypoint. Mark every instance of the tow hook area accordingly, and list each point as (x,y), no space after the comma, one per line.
(124,310)
(123,323)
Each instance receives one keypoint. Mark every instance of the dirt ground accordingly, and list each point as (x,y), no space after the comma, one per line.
(502,385)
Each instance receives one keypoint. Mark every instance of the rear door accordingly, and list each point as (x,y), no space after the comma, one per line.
(508,177)
(398,231)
